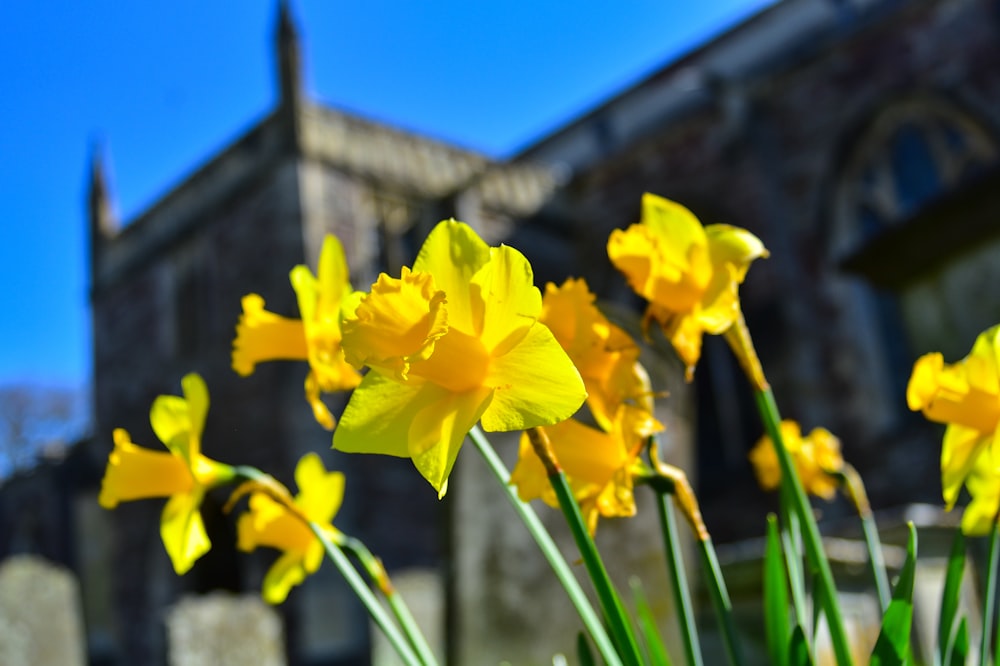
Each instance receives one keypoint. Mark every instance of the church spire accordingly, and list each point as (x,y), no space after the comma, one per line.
(289,57)
(100,207)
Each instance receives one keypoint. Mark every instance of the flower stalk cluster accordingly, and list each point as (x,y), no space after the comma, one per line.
(463,342)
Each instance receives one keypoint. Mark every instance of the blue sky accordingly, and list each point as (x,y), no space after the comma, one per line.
(162,86)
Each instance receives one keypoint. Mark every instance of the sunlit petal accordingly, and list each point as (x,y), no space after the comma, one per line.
(453,253)
(378,417)
(535,384)
(513,303)
(284,574)
(320,492)
(183,531)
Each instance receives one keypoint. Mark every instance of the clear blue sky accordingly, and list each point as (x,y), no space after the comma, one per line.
(162,86)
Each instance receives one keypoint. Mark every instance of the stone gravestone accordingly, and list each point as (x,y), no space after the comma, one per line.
(221,629)
(40,622)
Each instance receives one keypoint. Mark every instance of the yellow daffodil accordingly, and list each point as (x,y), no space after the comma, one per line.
(966,397)
(604,354)
(264,336)
(599,465)
(690,274)
(816,456)
(984,487)
(598,462)
(452,342)
(270,523)
(183,474)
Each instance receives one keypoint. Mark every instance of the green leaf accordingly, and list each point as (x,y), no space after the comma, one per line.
(893,645)
(950,596)
(960,646)
(798,649)
(655,648)
(776,621)
(585,656)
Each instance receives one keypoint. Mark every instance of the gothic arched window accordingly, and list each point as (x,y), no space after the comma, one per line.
(913,218)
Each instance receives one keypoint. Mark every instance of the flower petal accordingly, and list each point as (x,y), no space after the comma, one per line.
(535,384)
(269,523)
(320,492)
(652,270)
(196,394)
(959,450)
(284,574)
(673,222)
(453,253)
(135,473)
(735,246)
(586,454)
(320,296)
(529,475)
(183,531)
(178,422)
(438,429)
(984,486)
(513,303)
(377,418)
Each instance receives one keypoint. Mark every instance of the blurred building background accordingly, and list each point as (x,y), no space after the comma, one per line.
(857,138)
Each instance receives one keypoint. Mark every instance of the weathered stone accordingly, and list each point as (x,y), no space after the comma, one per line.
(40,622)
(224,630)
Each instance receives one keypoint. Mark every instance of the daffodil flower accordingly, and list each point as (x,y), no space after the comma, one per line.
(690,274)
(816,456)
(183,474)
(605,355)
(452,342)
(965,396)
(600,462)
(264,336)
(272,524)
(600,466)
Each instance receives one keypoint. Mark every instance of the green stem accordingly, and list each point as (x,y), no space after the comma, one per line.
(376,571)
(989,604)
(877,560)
(610,602)
(678,580)
(366,596)
(549,549)
(811,537)
(791,544)
(720,600)
(851,482)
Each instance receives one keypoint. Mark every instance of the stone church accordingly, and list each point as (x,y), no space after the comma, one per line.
(857,138)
